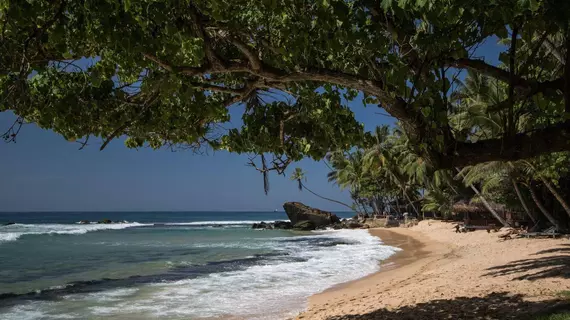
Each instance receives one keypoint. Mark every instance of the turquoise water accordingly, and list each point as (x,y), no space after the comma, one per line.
(171,265)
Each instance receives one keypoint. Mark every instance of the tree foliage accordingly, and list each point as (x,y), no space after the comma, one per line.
(166,72)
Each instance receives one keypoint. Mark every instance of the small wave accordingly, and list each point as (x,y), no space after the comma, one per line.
(210,223)
(15,231)
(285,281)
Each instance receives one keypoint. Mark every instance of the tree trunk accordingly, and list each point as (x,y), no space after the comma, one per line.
(545,212)
(403,187)
(523,203)
(364,207)
(412,204)
(375,207)
(325,198)
(556,195)
(554,138)
(398,207)
(486,204)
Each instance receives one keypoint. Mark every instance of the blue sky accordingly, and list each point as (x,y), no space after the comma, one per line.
(44,172)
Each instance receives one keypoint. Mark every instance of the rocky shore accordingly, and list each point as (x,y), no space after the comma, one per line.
(303,217)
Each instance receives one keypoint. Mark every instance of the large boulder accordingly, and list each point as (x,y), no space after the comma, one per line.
(304,225)
(298,212)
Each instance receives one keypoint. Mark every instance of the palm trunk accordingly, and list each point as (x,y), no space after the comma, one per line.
(486,204)
(545,212)
(325,198)
(375,208)
(411,204)
(398,207)
(364,208)
(407,197)
(556,195)
(523,203)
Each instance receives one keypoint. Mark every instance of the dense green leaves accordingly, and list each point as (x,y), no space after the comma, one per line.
(166,72)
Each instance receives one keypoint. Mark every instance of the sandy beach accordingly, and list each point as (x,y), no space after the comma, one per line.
(441,274)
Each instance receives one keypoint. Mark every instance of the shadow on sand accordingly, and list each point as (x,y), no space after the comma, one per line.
(557,266)
(494,306)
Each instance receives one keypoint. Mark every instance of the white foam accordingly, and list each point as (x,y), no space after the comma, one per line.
(208,223)
(104,296)
(267,291)
(36,310)
(15,231)
(281,285)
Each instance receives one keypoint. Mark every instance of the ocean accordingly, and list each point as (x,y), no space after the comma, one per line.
(171,265)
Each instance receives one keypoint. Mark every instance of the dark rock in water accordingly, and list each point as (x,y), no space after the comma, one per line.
(298,212)
(8,223)
(304,225)
(282,225)
(105,221)
(84,222)
(262,225)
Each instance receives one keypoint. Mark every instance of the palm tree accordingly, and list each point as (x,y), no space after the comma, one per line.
(299,176)
(482,198)
(381,161)
(438,200)
(541,207)
(494,174)
(532,170)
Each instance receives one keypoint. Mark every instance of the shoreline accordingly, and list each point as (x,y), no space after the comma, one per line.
(459,276)
(416,251)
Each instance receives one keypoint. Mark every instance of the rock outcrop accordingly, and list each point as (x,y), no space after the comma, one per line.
(298,212)
(273,225)
(304,225)
(282,225)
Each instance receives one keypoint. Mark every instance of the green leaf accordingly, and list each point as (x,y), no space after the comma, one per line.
(67,55)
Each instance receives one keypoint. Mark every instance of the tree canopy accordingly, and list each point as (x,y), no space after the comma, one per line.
(166,72)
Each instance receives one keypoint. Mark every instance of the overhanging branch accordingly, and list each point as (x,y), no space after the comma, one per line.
(523,146)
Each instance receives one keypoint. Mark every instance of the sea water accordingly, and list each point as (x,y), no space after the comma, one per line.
(171,265)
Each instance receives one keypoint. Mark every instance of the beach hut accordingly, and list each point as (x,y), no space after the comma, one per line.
(476,214)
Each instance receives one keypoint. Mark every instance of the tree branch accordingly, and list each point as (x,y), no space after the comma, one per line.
(504,75)
(567,75)
(253,59)
(211,55)
(523,145)
(122,128)
(512,74)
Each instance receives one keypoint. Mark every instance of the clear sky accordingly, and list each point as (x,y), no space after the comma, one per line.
(44,172)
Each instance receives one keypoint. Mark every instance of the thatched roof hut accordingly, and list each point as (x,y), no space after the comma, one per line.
(475,213)
(466,207)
